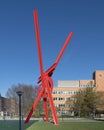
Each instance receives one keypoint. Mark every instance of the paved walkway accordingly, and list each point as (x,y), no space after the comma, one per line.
(61,119)
(80,120)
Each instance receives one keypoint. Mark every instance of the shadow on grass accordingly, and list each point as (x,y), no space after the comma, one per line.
(26,126)
(14,125)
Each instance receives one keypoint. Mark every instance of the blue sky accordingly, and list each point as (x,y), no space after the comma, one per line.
(57,18)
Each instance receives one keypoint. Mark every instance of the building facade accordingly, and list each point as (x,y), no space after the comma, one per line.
(7,107)
(66,89)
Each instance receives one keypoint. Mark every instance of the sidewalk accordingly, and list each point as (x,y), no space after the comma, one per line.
(60,119)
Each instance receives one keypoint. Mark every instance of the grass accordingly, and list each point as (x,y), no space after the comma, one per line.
(68,126)
(13,125)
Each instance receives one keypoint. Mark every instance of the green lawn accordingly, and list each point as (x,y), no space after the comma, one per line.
(13,125)
(68,126)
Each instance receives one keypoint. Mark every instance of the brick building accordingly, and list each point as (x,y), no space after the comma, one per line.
(7,106)
(66,89)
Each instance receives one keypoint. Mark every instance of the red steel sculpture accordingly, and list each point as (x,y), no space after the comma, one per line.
(45,81)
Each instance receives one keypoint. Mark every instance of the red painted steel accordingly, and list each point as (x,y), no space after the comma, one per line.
(64,47)
(45,81)
(38,41)
(46,108)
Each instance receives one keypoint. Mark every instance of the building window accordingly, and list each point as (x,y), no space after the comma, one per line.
(54,98)
(54,92)
(60,98)
(61,105)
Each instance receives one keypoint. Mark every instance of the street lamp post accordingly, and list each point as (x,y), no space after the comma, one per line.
(19,93)
(4,113)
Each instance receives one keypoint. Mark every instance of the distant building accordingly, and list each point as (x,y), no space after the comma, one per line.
(98,77)
(7,106)
(67,88)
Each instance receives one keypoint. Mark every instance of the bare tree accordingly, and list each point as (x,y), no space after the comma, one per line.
(28,96)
